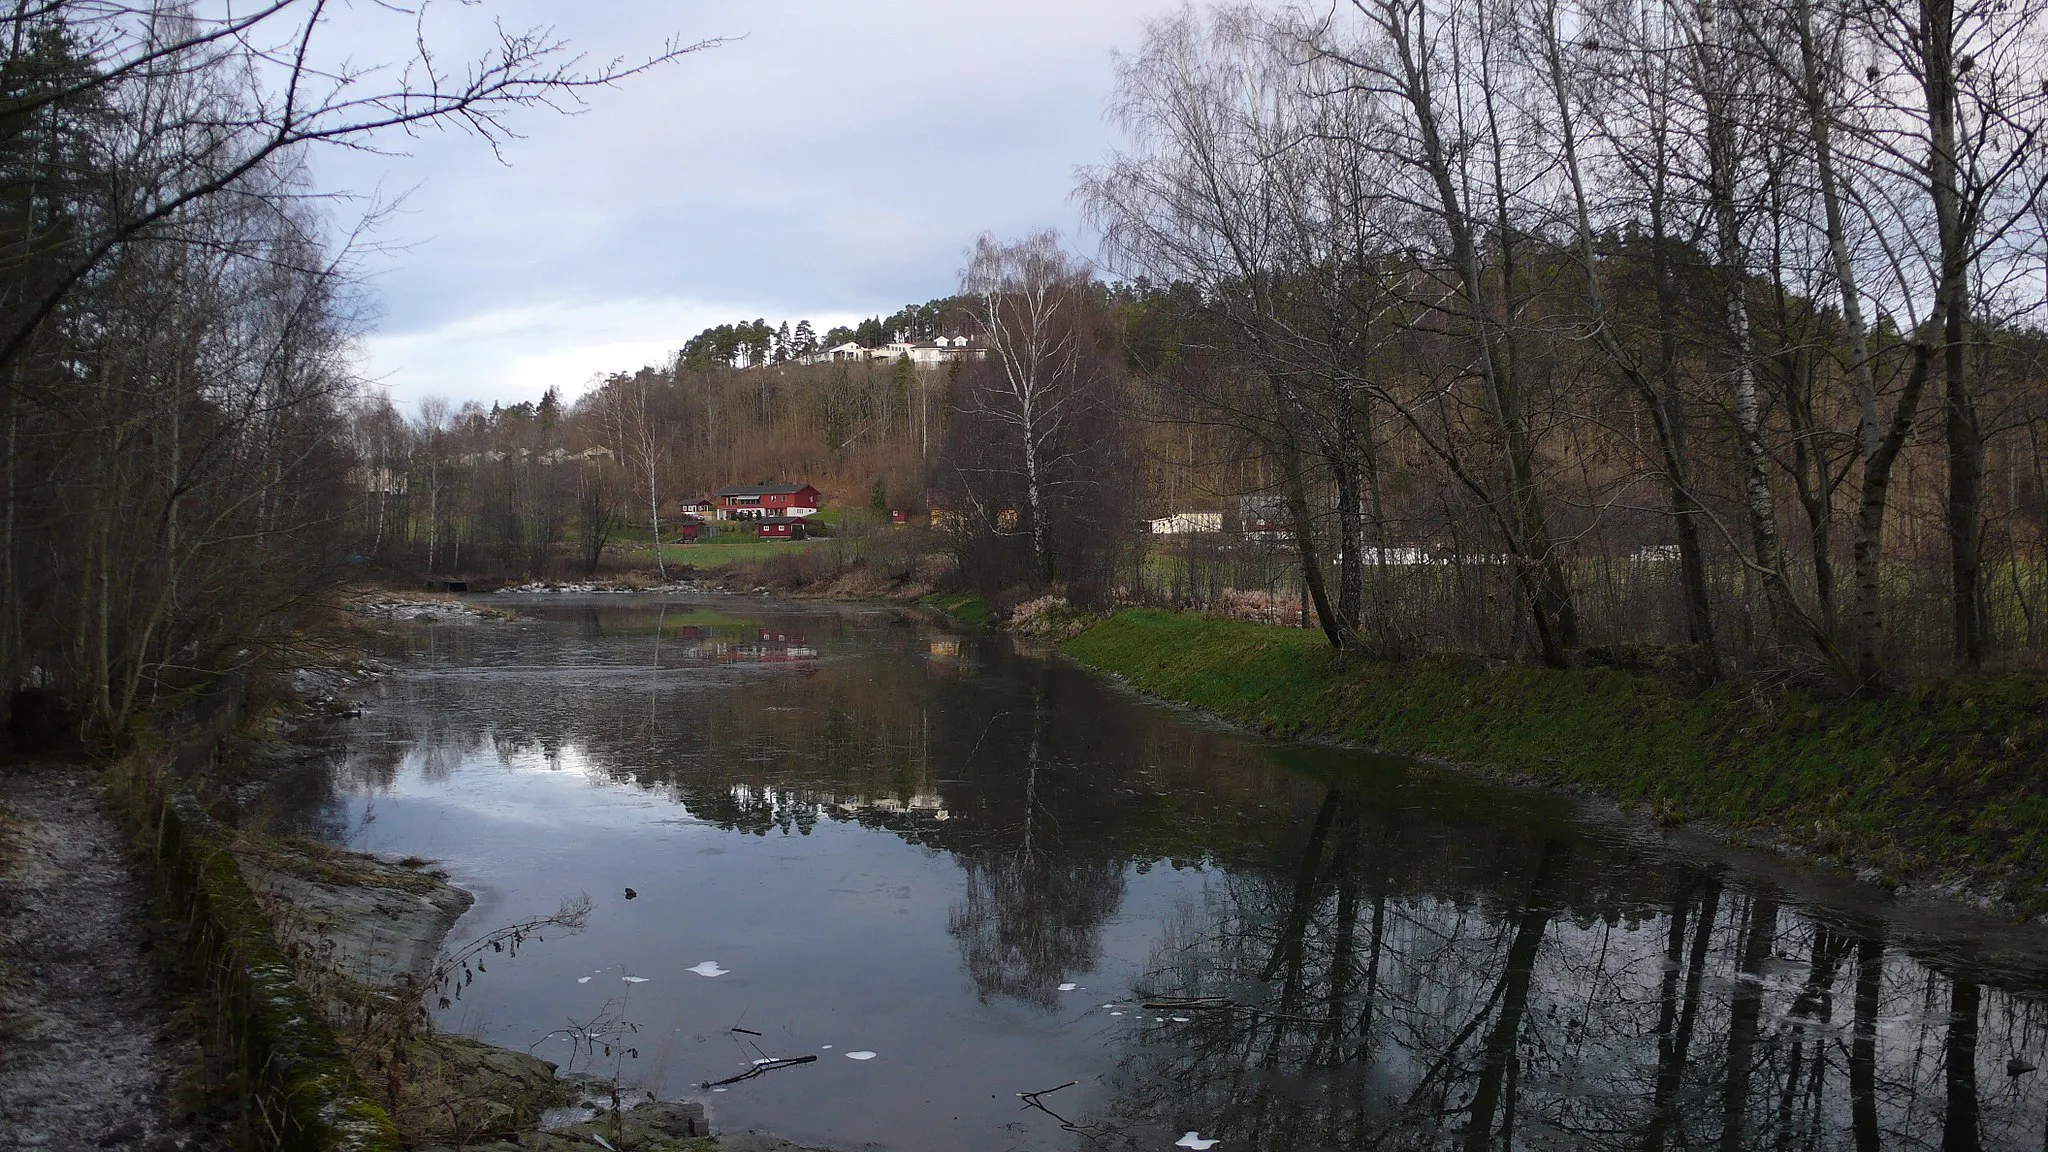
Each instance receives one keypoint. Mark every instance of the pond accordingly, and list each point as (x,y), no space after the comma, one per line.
(957,872)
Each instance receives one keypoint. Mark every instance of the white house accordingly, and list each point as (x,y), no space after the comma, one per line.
(940,351)
(1181,523)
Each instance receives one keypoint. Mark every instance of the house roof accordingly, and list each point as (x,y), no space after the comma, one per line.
(777,520)
(763,490)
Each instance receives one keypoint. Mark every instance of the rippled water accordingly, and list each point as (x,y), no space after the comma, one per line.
(979,865)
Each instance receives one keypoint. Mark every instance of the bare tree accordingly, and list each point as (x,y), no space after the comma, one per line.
(1028,302)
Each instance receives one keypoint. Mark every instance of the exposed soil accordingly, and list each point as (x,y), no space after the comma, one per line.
(92,1053)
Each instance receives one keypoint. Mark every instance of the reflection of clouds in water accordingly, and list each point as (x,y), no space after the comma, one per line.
(1410,976)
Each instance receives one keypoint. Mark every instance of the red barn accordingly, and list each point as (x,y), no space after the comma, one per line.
(687,528)
(779,528)
(754,501)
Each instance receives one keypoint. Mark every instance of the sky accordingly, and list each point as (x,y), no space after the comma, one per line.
(832,160)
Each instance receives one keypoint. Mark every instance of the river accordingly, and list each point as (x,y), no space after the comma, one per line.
(956,871)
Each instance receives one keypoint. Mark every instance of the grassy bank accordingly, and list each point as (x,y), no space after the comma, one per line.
(1945,780)
(966,607)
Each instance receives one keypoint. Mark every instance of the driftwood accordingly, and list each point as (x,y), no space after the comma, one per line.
(1218,1003)
(1031,1100)
(757,1069)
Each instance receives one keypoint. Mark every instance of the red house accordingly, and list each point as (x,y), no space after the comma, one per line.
(779,528)
(686,528)
(754,501)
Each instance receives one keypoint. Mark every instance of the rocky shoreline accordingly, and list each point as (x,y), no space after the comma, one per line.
(357,925)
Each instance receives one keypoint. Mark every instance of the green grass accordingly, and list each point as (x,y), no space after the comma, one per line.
(967,607)
(1946,777)
(716,551)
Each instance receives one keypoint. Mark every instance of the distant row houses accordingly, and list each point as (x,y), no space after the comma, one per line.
(942,350)
(521,455)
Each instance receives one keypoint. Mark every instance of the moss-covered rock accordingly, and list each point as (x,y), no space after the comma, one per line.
(460,1089)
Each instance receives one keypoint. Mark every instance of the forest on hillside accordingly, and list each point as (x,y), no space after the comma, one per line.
(1700,337)
(1712,328)
(1706,336)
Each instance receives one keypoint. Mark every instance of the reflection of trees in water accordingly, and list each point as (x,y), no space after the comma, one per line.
(1558,1012)
(1455,979)
(1032,908)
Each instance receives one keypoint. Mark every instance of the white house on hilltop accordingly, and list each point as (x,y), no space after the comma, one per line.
(942,350)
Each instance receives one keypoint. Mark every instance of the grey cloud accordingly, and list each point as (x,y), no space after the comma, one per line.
(835,161)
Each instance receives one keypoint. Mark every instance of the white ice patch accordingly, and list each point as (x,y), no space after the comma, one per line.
(583,979)
(1180,1019)
(860,1055)
(824,1047)
(1067,987)
(634,979)
(1194,1140)
(709,968)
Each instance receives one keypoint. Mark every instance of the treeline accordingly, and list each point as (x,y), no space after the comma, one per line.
(1703,332)
(1027,457)
(174,313)
(749,344)
(537,489)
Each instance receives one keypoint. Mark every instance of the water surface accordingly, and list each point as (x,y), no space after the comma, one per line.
(979,864)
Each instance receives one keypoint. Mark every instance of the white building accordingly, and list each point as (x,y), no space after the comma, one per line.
(942,350)
(1181,523)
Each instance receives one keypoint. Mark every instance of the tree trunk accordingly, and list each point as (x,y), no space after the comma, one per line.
(1745,1007)
(1863,1045)
(1305,541)
(1959,1129)
(1961,427)
(1497,1061)
(1546,588)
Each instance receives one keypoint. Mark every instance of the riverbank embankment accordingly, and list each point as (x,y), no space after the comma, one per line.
(1943,786)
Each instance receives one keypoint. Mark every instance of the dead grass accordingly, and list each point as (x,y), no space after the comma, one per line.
(326,864)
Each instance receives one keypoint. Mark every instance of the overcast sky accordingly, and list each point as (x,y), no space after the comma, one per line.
(832,161)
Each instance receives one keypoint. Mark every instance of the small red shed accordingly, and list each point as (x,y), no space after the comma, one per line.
(779,528)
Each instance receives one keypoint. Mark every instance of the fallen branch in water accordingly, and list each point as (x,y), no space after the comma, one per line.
(1218,1003)
(1032,1097)
(757,1069)
(1031,1100)
(1195,1002)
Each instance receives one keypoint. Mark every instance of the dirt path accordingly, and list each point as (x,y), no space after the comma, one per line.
(89,1053)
